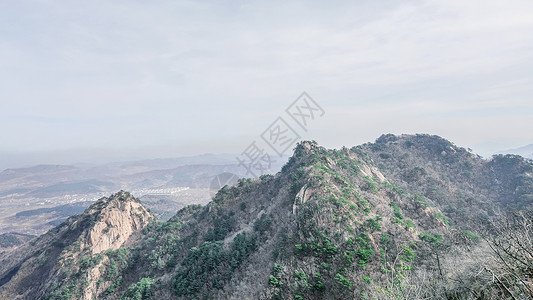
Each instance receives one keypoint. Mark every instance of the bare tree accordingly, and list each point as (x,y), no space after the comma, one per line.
(511,240)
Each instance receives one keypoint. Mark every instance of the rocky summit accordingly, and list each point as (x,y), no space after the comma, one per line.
(72,255)
(405,217)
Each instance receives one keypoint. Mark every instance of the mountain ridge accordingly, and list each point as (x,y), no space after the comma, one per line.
(375,220)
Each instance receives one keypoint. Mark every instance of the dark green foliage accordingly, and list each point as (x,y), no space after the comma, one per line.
(407,253)
(85,262)
(433,143)
(300,172)
(385,138)
(421,202)
(385,238)
(318,247)
(221,227)
(343,281)
(431,239)
(224,193)
(276,269)
(195,268)
(364,254)
(370,185)
(372,225)
(515,184)
(244,185)
(300,275)
(359,251)
(114,286)
(318,283)
(266,177)
(397,212)
(274,279)
(119,255)
(295,187)
(275,282)
(349,164)
(280,248)
(241,249)
(416,173)
(166,245)
(286,167)
(210,261)
(140,290)
(385,155)
(263,223)
(118,261)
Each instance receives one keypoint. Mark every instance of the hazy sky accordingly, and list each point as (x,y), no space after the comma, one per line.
(89,80)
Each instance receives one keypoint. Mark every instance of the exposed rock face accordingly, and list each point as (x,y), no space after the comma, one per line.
(121,217)
(104,226)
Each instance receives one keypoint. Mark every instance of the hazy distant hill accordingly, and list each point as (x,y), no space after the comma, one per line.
(170,163)
(526,151)
(49,191)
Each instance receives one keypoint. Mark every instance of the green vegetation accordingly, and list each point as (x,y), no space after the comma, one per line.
(342,281)
(263,223)
(397,212)
(370,184)
(221,227)
(421,202)
(318,247)
(440,216)
(372,225)
(273,281)
(210,260)
(140,290)
(354,236)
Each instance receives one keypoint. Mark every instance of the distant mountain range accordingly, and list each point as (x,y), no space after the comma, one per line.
(525,151)
(33,199)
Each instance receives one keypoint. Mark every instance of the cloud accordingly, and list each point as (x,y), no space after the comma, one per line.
(143,74)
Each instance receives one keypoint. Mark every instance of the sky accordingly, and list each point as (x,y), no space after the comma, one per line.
(96,81)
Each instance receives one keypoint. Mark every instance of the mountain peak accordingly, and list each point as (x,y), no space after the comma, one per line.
(337,224)
(115,219)
(105,227)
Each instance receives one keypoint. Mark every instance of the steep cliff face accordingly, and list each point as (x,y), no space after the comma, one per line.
(73,252)
(118,217)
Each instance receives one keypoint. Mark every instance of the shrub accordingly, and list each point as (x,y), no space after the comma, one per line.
(300,275)
(341,280)
(372,225)
(140,290)
(275,282)
(263,223)
(276,269)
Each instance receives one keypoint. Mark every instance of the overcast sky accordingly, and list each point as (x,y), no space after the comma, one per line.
(112,80)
